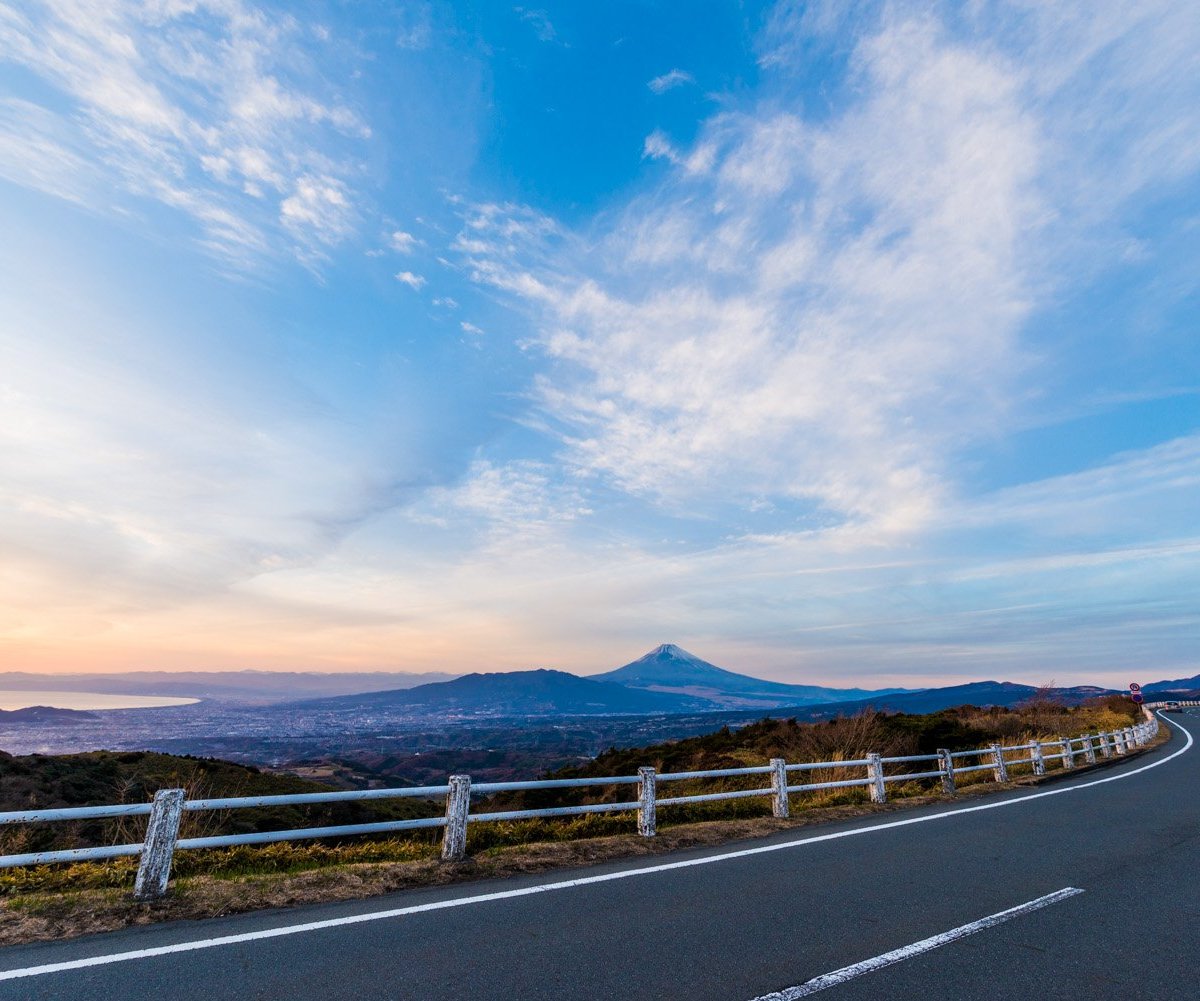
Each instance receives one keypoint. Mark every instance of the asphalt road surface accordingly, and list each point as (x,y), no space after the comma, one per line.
(1089,887)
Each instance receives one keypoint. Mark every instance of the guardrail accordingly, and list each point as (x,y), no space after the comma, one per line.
(166,810)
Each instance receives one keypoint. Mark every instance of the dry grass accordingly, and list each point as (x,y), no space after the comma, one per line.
(59,914)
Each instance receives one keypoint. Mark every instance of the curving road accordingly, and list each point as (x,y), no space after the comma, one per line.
(1085,888)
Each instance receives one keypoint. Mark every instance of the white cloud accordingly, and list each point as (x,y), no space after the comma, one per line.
(539,20)
(994,587)
(470,328)
(319,209)
(506,504)
(821,313)
(415,282)
(415,30)
(208,107)
(38,150)
(658,147)
(668,81)
(446,302)
(830,308)
(402,243)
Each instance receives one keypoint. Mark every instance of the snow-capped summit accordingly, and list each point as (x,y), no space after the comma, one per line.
(670,668)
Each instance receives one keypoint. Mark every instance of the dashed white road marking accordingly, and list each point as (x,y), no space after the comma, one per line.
(827,980)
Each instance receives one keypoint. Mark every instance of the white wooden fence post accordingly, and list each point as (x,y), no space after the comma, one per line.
(999,769)
(1105,749)
(947,767)
(154,869)
(1089,749)
(647,810)
(458,806)
(1119,742)
(878,788)
(779,794)
(1035,757)
(1068,758)
(1129,740)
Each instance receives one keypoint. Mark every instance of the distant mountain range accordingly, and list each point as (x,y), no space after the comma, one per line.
(666,680)
(252,687)
(520,693)
(44,716)
(669,680)
(978,693)
(1181,688)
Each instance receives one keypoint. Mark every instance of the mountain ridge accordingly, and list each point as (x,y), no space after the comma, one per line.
(666,680)
(519,693)
(670,668)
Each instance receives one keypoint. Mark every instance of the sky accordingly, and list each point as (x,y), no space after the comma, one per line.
(843,343)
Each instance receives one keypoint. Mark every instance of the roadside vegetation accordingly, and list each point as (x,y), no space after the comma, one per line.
(41,782)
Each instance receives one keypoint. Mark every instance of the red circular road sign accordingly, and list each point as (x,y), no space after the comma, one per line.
(1134,686)
(1138,697)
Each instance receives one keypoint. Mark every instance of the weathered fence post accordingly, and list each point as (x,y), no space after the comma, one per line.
(878,788)
(458,806)
(1089,749)
(647,819)
(779,794)
(947,768)
(1119,742)
(1068,758)
(154,869)
(999,768)
(1129,738)
(1036,759)
(1104,748)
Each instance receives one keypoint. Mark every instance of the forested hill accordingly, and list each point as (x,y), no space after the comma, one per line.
(49,781)
(42,782)
(851,736)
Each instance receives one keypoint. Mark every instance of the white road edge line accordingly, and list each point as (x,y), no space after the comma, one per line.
(909,951)
(566,884)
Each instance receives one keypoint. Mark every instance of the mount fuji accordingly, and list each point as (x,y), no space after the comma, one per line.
(671,669)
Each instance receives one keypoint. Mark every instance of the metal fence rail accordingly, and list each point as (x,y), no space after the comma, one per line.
(165,812)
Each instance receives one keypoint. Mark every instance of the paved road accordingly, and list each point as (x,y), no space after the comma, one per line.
(737,925)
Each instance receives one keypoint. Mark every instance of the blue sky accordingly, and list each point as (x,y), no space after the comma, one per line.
(834,342)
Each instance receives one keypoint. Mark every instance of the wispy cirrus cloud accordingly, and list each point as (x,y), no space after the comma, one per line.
(830,309)
(808,310)
(669,81)
(539,20)
(751,393)
(209,108)
(1029,583)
